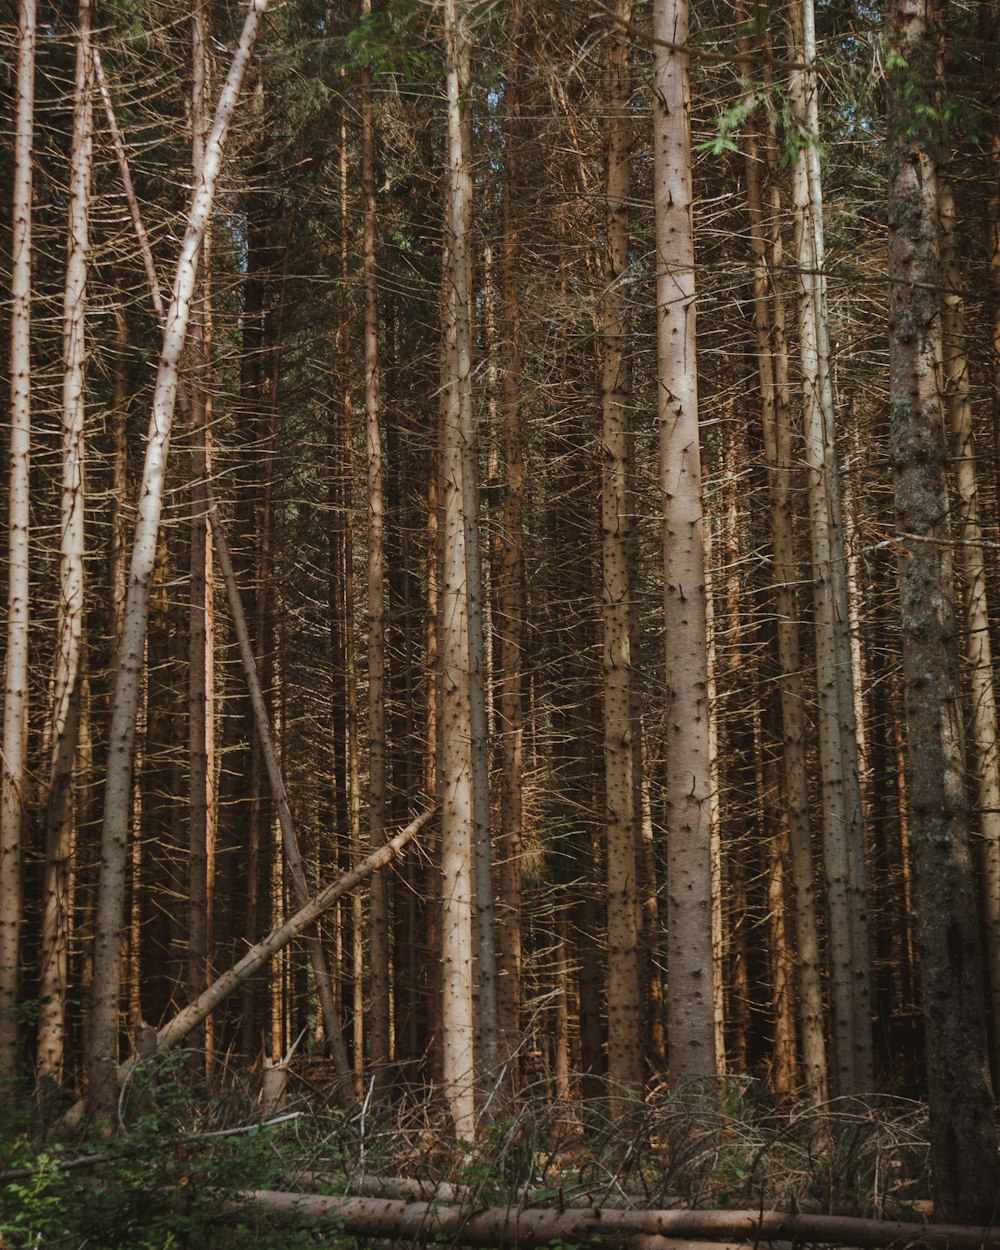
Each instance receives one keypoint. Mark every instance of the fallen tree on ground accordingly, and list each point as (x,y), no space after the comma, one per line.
(501,1227)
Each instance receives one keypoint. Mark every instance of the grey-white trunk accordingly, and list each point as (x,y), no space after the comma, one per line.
(15,707)
(128,677)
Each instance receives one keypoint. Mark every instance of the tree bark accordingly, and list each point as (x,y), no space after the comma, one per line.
(964,1169)
(510,611)
(457,795)
(691,1027)
(423,1222)
(60,824)
(625,1015)
(843,832)
(13,769)
(117,806)
(772,366)
(972,573)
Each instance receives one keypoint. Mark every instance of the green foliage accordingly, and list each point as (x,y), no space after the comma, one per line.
(792,135)
(159,1185)
(387,42)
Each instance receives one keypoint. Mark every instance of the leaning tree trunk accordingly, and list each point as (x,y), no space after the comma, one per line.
(69,637)
(15,707)
(102,1092)
(691,1021)
(964,1171)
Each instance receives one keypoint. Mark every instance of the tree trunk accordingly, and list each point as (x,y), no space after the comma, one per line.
(117,804)
(510,611)
(201,694)
(691,1027)
(378,1014)
(426,1222)
(772,366)
(457,798)
(843,834)
(15,708)
(972,573)
(964,1170)
(625,1015)
(69,644)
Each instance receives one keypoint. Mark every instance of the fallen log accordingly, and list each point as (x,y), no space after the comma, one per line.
(189,1017)
(501,1227)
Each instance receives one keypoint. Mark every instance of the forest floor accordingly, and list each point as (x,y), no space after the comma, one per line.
(184,1155)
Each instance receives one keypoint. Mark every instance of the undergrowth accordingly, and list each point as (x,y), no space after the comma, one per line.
(183,1148)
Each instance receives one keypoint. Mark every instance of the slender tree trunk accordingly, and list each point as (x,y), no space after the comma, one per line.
(691,1027)
(965,1178)
(117,805)
(457,797)
(70,639)
(972,573)
(15,710)
(510,613)
(378,1014)
(201,700)
(772,364)
(843,834)
(625,1043)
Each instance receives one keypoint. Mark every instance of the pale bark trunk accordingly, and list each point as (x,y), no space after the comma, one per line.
(772,364)
(117,808)
(843,833)
(60,822)
(691,1029)
(15,710)
(457,798)
(400,1219)
(972,572)
(965,1178)
(625,1049)
(378,1014)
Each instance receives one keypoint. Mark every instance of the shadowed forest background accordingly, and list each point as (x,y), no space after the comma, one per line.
(565,436)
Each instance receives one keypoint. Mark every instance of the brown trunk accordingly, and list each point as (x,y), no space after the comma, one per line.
(963,1137)
(691,1025)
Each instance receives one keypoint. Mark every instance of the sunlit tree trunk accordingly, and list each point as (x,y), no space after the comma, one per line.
(59,831)
(690,1020)
(843,834)
(102,1091)
(625,1042)
(963,1140)
(772,366)
(13,768)
(457,800)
